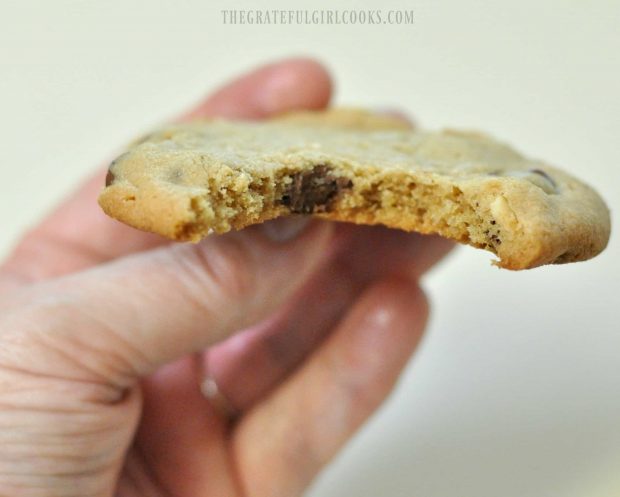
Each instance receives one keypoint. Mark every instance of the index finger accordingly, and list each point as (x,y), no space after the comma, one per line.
(78,235)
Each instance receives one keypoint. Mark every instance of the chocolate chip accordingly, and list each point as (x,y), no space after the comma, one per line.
(313,191)
(544,175)
(537,177)
(109,179)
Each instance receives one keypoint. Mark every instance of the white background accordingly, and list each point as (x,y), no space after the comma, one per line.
(516,389)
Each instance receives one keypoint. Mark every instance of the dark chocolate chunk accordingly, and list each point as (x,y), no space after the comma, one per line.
(537,177)
(314,191)
(542,173)
(109,179)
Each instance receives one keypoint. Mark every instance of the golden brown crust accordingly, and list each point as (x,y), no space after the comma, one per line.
(188,180)
(345,118)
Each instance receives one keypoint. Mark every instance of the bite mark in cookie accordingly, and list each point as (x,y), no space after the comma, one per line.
(189,180)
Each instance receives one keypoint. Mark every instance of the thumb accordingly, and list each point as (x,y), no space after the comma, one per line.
(119,321)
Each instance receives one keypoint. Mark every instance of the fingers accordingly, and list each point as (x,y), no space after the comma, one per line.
(188,457)
(300,83)
(378,251)
(283,442)
(120,321)
(249,364)
(78,235)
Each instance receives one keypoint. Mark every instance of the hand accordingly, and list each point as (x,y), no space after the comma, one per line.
(107,334)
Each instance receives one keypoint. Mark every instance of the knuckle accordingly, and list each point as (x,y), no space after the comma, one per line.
(36,351)
(360,391)
(365,397)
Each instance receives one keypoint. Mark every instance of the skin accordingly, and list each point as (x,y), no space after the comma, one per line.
(106,334)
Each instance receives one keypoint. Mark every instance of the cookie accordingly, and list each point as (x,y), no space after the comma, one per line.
(188,180)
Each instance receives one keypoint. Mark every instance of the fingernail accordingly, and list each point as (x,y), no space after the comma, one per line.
(279,93)
(285,228)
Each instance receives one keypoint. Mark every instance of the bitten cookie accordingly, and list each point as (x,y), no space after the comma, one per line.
(188,180)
